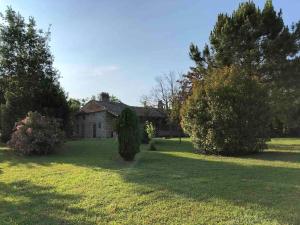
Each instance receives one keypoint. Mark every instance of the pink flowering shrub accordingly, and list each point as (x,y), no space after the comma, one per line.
(36,134)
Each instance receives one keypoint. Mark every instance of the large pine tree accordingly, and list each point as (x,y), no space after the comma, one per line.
(259,42)
(28,80)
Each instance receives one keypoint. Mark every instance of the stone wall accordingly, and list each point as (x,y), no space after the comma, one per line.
(103,122)
(110,123)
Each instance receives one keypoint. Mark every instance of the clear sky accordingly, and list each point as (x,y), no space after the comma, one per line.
(120,46)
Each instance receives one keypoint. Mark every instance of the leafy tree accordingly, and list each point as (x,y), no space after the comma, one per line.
(9,114)
(128,134)
(257,41)
(112,98)
(227,113)
(28,80)
(175,117)
(166,96)
(164,91)
(74,107)
(74,104)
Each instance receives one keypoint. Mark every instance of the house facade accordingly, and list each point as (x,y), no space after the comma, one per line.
(97,119)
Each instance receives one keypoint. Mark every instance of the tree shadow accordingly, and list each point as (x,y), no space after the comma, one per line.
(279,152)
(283,156)
(26,203)
(193,177)
(86,153)
(284,147)
(202,180)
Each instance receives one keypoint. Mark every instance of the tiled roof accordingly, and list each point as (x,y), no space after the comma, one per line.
(116,109)
(147,112)
(91,107)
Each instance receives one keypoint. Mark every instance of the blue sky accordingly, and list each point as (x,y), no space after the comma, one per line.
(121,46)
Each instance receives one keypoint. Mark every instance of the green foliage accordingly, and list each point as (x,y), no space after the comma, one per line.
(152,146)
(105,95)
(36,135)
(259,42)
(74,106)
(10,113)
(227,114)
(128,134)
(114,98)
(7,122)
(175,117)
(28,80)
(150,130)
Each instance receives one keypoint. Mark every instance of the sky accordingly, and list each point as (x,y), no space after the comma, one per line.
(120,46)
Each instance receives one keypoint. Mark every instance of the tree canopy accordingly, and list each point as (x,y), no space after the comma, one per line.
(259,42)
(28,80)
(227,113)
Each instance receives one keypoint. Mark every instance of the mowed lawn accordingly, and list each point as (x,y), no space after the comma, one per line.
(87,183)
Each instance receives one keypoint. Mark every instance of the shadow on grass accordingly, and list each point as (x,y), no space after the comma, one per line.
(86,153)
(275,189)
(279,152)
(283,156)
(26,203)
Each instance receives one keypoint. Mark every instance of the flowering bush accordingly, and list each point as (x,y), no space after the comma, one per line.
(36,134)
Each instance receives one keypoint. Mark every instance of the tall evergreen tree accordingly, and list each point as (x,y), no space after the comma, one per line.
(28,80)
(259,42)
(128,134)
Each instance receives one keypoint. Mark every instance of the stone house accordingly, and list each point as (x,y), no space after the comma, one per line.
(97,119)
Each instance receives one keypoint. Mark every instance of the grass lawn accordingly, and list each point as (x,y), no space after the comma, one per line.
(87,183)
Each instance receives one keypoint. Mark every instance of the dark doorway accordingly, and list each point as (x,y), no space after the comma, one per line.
(82,131)
(94,130)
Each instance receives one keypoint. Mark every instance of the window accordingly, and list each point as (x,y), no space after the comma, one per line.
(99,125)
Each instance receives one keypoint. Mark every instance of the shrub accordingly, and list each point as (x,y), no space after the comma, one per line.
(36,134)
(150,130)
(144,135)
(227,113)
(152,146)
(128,134)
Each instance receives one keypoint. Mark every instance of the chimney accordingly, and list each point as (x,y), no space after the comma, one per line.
(104,97)
(160,105)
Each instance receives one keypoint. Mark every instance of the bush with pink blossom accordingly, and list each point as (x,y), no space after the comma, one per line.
(36,135)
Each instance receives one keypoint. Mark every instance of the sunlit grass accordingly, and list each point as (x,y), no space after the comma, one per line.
(87,183)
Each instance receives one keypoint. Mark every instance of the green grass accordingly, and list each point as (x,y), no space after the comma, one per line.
(87,183)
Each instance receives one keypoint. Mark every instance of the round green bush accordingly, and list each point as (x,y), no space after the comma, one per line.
(128,134)
(152,146)
(227,113)
(36,135)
